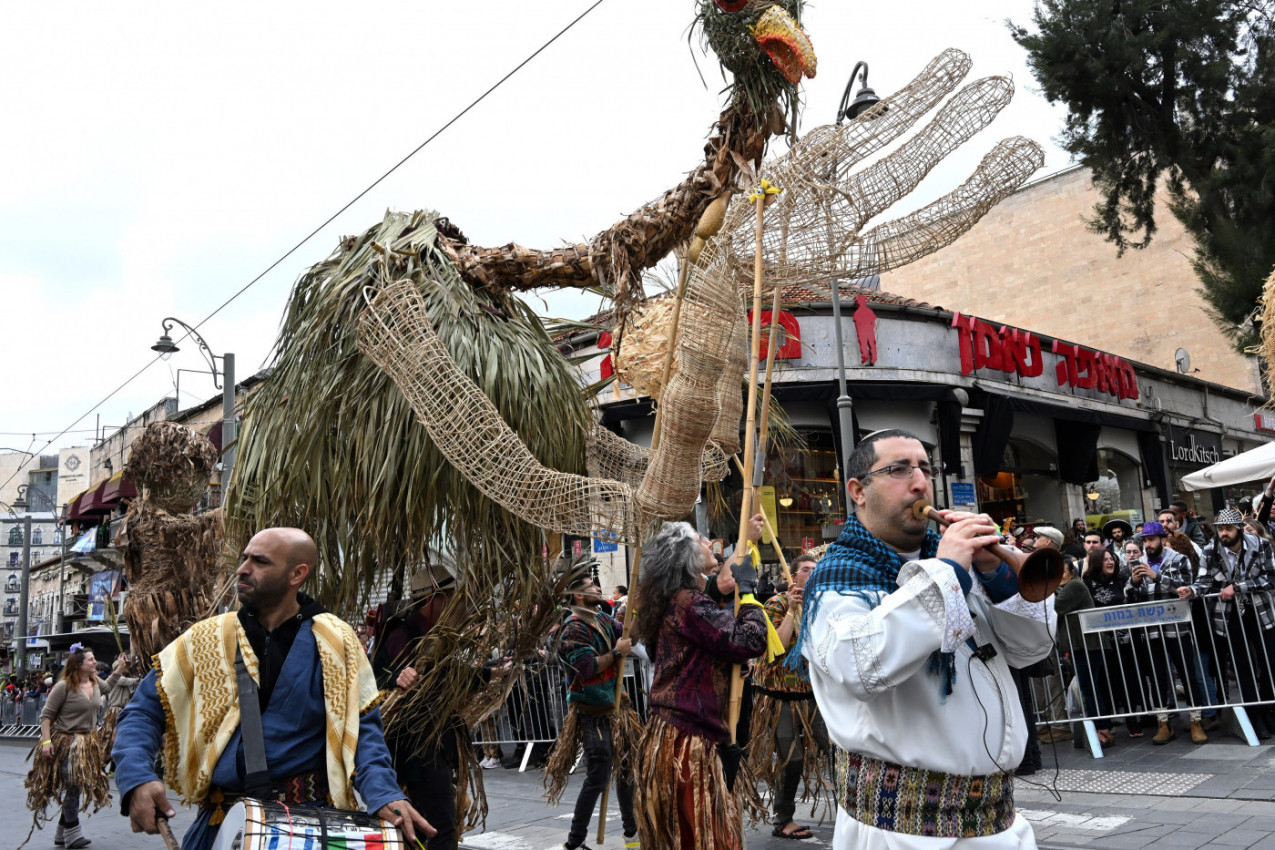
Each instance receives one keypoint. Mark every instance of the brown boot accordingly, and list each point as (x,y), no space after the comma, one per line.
(1165,733)
(1197,733)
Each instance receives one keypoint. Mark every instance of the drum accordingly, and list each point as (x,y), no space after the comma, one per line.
(257,825)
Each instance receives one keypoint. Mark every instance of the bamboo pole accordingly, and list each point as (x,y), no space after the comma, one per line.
(750,443)
(619,690)
(774,538)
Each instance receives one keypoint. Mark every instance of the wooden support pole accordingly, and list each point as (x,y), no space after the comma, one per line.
(750,444)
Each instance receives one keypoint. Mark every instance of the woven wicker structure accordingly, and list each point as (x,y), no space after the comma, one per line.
(397,334)
(811,234)
(1267,348)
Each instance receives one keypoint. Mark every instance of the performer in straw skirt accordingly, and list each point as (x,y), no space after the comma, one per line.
(590,647)
(118,689)
(682,798)
(69,759)
(788,743)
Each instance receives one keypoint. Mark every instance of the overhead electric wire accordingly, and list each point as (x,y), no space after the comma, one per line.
(316,230)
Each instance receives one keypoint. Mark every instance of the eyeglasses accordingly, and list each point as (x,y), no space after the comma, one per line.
(901,471)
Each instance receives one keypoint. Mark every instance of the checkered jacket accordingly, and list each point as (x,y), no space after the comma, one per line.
(1175,572)
(1254,580)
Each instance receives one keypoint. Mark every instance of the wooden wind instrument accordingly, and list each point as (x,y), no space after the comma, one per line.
(1039,573)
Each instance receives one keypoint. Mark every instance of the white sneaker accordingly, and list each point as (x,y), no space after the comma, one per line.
(489,763)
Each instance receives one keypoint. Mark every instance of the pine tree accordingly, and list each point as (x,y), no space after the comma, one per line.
(1179,91)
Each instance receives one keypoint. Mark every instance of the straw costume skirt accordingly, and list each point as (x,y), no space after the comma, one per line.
(77,768)
(626,741)
(767,764)
(680,797)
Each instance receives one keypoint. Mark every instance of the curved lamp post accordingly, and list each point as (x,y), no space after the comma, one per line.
(848,109)
(166,348)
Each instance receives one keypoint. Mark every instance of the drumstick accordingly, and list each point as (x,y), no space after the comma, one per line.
(166,833)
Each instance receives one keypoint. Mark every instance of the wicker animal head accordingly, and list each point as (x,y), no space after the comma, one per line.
(173,463)
(761,43)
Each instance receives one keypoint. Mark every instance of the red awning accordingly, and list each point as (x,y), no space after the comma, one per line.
(102,499)
(75,508)
(117,487)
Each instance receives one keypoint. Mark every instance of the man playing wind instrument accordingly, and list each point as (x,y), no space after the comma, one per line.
(317,697)
(909,658)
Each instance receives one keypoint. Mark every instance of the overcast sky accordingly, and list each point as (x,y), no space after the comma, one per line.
(155,159)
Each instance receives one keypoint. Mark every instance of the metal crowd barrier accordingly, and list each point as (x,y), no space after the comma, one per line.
(21,719)
(536,707)
(1162,656)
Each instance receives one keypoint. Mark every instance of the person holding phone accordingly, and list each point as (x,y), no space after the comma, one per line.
(1155,573)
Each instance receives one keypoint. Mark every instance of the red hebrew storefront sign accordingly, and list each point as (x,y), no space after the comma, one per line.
(1018,352)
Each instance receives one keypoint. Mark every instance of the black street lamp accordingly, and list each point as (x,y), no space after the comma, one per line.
(166,348)
(864,100)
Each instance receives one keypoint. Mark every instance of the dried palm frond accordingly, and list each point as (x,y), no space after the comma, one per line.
(330,445)
(768,764)
(755,79)
(174,561)
(174,463)
(510,620)
(86,769)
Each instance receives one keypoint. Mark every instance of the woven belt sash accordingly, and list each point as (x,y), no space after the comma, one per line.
(912,801)
(309,788)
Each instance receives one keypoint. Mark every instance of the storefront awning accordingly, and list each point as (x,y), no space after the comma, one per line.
(101,499)
(117,487)
(1253,465)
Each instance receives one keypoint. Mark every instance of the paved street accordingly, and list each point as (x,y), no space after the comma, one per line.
(1175,797)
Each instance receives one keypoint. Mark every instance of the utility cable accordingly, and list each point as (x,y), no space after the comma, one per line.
(316,230)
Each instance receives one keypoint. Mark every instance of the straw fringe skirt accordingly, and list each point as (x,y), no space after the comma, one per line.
(626,740)
(86,769)
(766,763)
(471,796)
(680,798)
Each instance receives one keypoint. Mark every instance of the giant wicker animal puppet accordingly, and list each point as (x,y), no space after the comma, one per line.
(408,325)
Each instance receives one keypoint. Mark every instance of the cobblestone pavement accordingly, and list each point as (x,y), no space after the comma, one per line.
(1173,797)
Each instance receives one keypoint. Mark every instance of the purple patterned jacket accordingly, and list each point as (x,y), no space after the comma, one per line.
(696,648)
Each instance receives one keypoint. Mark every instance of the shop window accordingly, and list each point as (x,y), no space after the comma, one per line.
(804,499)
(809,497)
(1117,492)
(1026,489)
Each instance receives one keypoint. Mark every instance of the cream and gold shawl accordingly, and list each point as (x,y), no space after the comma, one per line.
(195,676)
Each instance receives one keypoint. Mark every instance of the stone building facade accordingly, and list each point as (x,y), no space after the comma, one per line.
(1032,263)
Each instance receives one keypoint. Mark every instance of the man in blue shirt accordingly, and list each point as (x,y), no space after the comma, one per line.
(316,693)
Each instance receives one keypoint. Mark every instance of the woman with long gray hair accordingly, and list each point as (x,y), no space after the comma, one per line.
(683,802)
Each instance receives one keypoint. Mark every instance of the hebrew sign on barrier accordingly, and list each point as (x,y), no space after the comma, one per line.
(1134,616)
